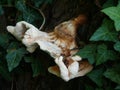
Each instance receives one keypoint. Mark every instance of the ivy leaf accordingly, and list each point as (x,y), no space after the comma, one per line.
(117,46)
(113,75)
(88,87)
(88,52)
(13,45)
(39,2)
(99,89)
(9,2)
(108,3)
(4,39)
(118,2)
(30,16)
(105,32)
(20,5)
(96,76)
(36,65)
(14,57)
(114,14)
(4,71)
(28,59)
(107,88)
(103,54)
(1,10)
(117,88)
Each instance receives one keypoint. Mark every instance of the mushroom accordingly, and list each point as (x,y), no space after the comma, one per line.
(60,44)
(74,68)
(21,31)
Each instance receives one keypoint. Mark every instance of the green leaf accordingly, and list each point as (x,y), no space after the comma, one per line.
(113,75)
(96,76)
(36,65)
(117,46)
(114,14)
(4,40)
(117,88)
(112,55)
(118,2)
(14,45)
(40,2)
(104,55)
(28,59)
(19,18)
(20,5)
(88,87)
(108,3)
(30,16)
(4,71)
(14,57)
(106,32)
(99,89)
(1,10)
(9,2)
(88,52)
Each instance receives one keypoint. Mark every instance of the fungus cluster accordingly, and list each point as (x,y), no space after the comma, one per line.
(60,44)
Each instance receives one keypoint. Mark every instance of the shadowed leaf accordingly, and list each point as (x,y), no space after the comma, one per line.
(117,46)
(14,57)
(88,52)
(97,76)
(105,33)
(104,54)
(113,75)
(114,14)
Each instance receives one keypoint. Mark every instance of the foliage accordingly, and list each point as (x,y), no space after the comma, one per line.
(102,50)
(104,47)
(106,32)
(97,76)
(14,57)
(88,52)
(113,13)
(35,64)
(13,52)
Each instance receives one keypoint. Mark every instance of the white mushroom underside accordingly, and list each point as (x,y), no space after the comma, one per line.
(31,37)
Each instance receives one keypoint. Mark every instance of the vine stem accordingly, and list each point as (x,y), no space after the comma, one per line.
(44,19)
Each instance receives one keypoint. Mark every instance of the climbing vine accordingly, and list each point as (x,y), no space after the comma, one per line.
(102,49)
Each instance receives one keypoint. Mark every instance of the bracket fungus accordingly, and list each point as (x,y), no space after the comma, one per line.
(60,44)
